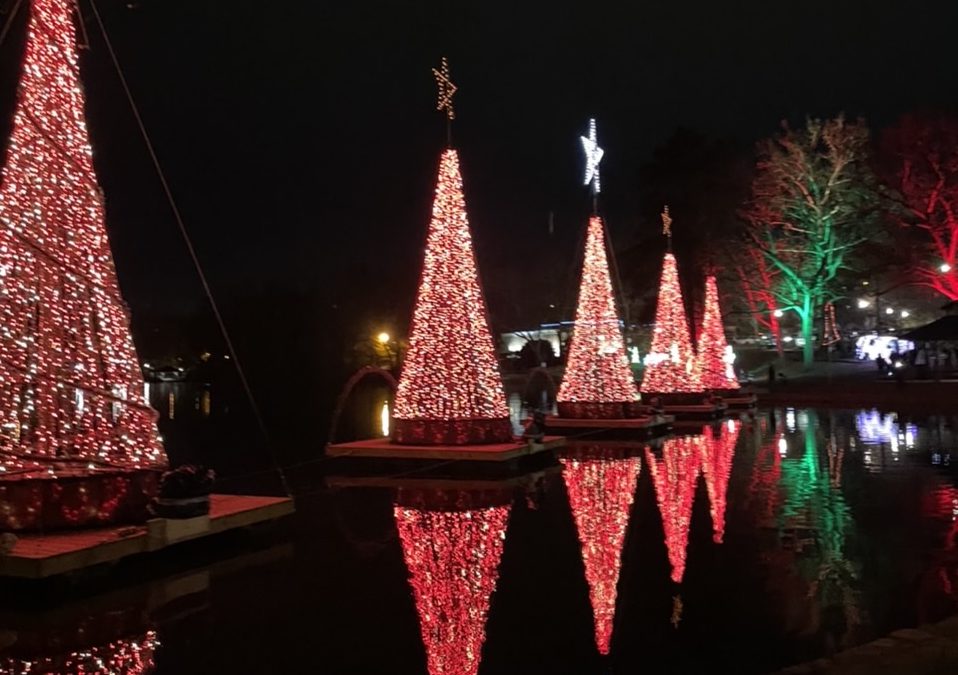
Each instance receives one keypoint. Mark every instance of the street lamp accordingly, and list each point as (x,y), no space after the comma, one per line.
(944,268)
(889,310)
(905,314)
(863,303)
(383,338)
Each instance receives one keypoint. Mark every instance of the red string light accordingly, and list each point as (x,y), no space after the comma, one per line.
(598,368)
(453,559)
(675,477)
(601,487)
(715,355)
(670,365)
(451,389)
(70,383)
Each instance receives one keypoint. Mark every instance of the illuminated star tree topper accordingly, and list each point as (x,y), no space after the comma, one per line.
(446,89)
(593,155)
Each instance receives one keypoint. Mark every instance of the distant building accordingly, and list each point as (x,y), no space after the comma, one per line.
(556,334)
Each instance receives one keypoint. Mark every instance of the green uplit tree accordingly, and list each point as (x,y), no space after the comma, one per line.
(814,200)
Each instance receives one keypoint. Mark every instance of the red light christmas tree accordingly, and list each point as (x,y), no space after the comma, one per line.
(71,390)
(716,457)
(598,379)
(715,355)
(675,477)
(670,365)
(450,391)
(453,553)
(601,487)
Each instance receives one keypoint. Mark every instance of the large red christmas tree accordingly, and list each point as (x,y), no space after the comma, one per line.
(450,391)
(452,551)
(71,390)
(670,365)
(714,352)
(598,378)
(601,486)
(675,477)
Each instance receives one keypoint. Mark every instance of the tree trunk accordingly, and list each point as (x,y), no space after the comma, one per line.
(807,315)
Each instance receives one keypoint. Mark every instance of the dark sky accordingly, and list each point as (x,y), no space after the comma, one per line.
(301,141)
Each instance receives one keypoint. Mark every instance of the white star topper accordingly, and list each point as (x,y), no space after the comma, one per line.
(593,155)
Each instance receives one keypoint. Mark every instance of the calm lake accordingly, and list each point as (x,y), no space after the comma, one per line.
(746,546)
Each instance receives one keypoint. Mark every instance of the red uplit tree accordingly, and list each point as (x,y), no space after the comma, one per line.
(715,355)
(598,378)
(450,391)
(920,158)
(70,383)
(717,454)
(453,555)
(670,365)
(675,477)
(601,486)
(756,281)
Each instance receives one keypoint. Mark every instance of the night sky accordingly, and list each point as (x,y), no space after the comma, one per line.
(301,140)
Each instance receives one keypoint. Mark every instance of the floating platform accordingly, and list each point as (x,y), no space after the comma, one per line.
(696,411)
(641,427)
(37,556)
(743,402)
(382,448)
(440,483)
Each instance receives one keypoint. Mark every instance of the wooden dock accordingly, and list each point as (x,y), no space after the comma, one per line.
(37,556)
(382,448)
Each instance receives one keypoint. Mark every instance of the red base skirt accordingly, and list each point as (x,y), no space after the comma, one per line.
(452,432)
(73,497)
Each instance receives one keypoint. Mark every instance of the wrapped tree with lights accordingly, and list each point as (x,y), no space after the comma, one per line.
(715,355)
(671,368)
(452,543)
(450,391)
(601,486)
(71,389)
(598,379)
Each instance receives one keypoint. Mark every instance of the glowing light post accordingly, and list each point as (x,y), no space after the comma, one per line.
(598,380)
(70,380)
(450,391)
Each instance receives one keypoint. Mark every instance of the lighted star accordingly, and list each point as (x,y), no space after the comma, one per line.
(593,155)
(446,89)
(666,222)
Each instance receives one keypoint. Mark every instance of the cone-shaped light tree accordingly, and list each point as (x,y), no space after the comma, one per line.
(450,391)
(717,453)
(675,477)
(715,354)
(71,389)
(670,365)
(598,378)
(453,555)
(601,487)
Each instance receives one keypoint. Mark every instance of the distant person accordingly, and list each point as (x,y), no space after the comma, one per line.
(771,376)
(882,364)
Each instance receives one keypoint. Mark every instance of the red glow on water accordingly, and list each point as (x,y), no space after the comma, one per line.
(601,487)
(453,560)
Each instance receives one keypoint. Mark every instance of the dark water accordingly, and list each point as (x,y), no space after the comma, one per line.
(750,545)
